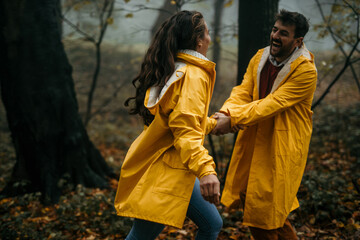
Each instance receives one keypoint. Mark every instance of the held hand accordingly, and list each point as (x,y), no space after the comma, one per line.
(210,188)
(223,124)
(237,128)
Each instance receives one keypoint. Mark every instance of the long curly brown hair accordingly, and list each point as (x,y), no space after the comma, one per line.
(181,31)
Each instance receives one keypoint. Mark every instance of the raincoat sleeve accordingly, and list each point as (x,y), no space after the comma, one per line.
(185,124)
(241,94)
(297,88)
(210,125)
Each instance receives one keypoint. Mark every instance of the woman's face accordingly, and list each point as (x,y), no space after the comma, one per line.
(203,43)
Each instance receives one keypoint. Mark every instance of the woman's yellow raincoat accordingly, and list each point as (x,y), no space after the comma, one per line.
(269,157)
(159,170)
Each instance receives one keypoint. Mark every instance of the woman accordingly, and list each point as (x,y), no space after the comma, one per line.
(159,178)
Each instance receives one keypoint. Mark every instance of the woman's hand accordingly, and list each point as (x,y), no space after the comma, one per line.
(210,188)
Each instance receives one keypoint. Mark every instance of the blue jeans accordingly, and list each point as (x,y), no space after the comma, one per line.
(201,212)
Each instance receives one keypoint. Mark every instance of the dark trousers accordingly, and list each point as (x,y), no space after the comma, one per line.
(284,233)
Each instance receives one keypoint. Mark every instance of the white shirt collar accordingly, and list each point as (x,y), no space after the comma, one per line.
(276,64)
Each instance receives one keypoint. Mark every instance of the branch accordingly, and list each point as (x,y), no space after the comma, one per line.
(355,76)
(104,25)
(347,63)
(357,18)
(98,57)
(328,27)
(335,40)
(355,60)
(143,7)
(76,28)
(192,1)
(97,6)
(107,101)
(102,12)
(351,7)
(328,72)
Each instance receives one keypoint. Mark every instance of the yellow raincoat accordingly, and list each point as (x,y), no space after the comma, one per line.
(269,157)
(159,170)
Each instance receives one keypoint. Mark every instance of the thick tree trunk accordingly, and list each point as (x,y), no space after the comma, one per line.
(256,19)
(37,90)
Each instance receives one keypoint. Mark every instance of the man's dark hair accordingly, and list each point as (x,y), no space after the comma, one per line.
(294,18)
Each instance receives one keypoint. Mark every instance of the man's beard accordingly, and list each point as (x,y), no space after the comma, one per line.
(280,49)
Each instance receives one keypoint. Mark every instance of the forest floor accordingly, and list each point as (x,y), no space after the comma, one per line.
(329,195)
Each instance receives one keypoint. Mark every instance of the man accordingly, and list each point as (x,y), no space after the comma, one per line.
(273,107)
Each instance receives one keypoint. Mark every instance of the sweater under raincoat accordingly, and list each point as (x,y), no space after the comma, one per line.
(269,156)
(159,170)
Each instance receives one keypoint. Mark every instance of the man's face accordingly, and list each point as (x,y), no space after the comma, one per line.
(282,41)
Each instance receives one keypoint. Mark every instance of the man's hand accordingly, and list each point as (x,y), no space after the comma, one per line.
(237,128)
(223,124)
(210,188)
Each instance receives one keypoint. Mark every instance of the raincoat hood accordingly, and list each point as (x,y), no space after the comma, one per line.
(155,93)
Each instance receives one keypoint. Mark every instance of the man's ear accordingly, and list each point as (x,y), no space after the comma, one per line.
(299,41)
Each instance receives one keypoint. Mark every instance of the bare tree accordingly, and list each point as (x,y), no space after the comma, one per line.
(253,33)
(166,11)
(104,10)
(37,90)
(344,33)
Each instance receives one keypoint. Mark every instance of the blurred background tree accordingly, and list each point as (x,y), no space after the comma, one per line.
(37,90)
(254,30)
(102,10)
(343,26)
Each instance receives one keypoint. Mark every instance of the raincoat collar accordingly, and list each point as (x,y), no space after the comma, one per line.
(196,59)
(155,93)
(302,51)
(193,53)
(276,64)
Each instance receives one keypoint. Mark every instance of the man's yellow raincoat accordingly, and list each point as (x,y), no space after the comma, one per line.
(269,157)
(159,171)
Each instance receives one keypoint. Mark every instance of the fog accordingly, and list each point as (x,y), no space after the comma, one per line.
(136,29)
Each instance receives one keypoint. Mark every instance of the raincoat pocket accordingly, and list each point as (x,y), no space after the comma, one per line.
(172,158)
(173,178)
(288,146)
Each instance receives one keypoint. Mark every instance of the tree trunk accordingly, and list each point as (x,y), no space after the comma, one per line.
(219,7)
(164,13)
(37,90)
(256,19)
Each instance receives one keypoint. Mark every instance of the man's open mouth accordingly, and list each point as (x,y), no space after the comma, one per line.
(276,44)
